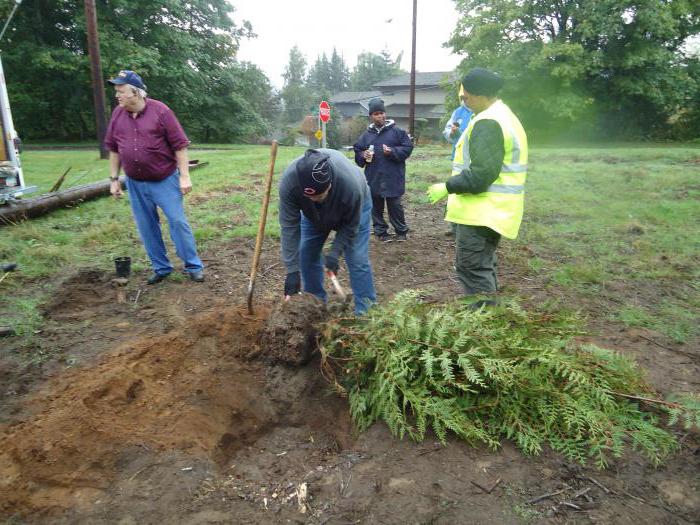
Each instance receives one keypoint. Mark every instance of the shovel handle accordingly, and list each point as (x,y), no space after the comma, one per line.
(261,226)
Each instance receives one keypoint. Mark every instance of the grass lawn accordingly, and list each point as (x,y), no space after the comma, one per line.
(596,220)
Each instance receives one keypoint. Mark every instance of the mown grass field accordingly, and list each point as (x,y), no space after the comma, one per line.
(619,224)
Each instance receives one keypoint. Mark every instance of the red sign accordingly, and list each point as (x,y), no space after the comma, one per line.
(324,111)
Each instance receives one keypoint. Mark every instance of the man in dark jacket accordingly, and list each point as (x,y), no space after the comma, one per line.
(319,192)
(382,150)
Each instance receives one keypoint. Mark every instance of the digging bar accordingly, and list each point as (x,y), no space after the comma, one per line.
(261,226)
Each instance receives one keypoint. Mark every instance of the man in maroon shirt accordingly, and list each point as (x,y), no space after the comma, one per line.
(145,138)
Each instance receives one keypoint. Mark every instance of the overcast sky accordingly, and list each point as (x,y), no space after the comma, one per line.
(352,26)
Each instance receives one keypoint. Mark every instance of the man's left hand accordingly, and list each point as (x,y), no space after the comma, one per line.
(185,184)
(332,264)
(387,149)
(437,192)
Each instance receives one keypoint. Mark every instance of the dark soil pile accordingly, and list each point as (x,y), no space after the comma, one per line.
(290,334)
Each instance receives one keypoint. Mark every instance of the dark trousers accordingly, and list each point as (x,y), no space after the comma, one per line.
(476,258)
(396,215)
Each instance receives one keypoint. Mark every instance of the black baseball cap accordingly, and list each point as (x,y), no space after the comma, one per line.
(315,172)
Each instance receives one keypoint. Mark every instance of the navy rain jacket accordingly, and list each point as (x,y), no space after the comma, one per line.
(386,174)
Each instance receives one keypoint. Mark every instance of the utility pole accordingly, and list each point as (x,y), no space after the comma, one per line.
(98,92)
(412,93)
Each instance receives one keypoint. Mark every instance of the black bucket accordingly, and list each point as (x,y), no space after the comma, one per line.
(123,266)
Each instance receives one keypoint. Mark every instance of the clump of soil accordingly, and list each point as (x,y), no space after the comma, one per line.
(191,390)
(290,334)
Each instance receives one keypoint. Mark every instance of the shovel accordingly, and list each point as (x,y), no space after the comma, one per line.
(261,227)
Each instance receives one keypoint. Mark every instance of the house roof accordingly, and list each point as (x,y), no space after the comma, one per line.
(354,96)
(423,96)
(422,79)
(403,111)
(430,97)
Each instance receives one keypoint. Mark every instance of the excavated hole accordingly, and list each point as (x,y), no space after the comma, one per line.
(208,390)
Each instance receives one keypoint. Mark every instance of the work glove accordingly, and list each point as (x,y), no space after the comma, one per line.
(292,283)
(437,192)
(332,264)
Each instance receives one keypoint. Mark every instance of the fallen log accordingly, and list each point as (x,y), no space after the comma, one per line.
(16,211)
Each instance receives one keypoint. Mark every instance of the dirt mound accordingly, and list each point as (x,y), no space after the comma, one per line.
(81,294)
(192,390)
(292,329)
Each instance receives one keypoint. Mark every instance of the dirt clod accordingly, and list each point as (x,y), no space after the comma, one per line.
(291,331)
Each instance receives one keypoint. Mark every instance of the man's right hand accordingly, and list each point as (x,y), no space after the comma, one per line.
(292,284)
(437,192)
(115,188)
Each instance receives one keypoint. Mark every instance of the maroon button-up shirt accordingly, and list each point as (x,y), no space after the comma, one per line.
(146,144)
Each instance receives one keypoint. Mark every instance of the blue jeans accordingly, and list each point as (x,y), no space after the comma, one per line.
(356,259)
(145,198)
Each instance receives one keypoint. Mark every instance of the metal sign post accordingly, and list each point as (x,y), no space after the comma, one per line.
(324,113)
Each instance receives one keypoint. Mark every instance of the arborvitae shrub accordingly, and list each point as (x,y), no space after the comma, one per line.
(491,374)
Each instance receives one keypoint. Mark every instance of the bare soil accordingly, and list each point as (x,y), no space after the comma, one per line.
(178,406)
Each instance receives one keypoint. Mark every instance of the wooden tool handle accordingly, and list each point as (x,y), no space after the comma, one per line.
(261,225)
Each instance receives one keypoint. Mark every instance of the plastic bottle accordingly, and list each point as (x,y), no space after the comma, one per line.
(371,153)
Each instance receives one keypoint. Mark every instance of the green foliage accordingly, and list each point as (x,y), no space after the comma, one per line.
(184,51)
(614,66)
(298,99)
(329,76)
(489,375)
(372,68)
(305,87)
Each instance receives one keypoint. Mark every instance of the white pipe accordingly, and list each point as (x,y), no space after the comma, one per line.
(8,127)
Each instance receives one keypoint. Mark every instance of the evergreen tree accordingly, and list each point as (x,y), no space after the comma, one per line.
(339,78)
(295,93)
(372,68)
(319,75)
(329,76)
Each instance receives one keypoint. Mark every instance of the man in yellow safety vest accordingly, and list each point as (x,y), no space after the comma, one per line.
(485,193)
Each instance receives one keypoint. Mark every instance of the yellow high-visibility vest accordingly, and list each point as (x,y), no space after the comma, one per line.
(500,207)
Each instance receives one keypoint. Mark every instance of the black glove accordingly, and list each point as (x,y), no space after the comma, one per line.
(292,283)
(332,264)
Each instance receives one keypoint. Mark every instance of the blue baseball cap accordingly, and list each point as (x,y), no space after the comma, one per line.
(128,77)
